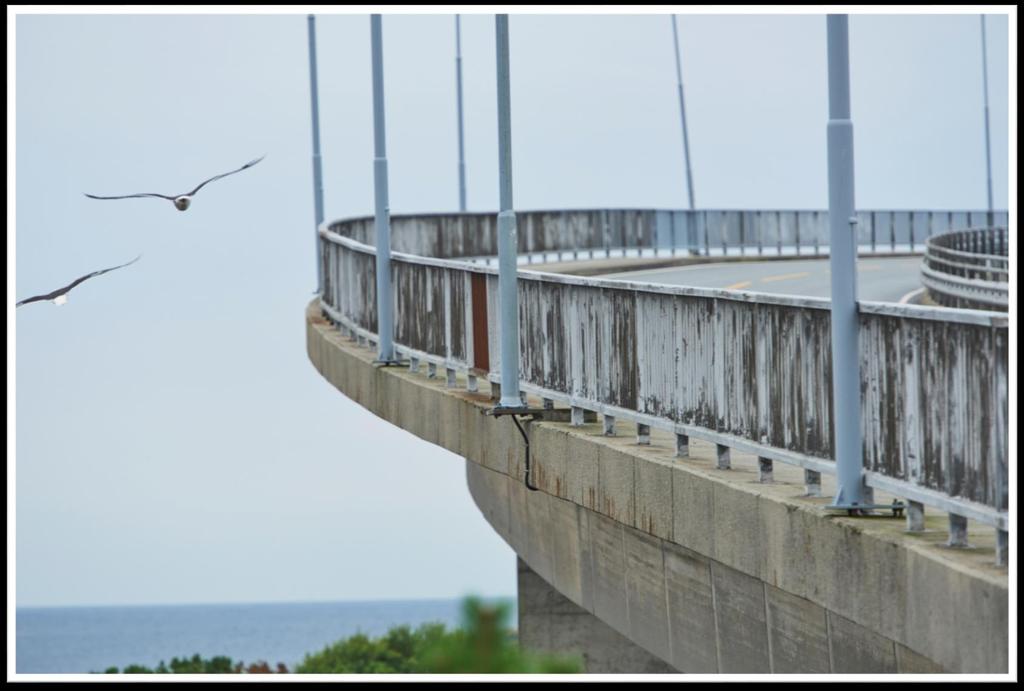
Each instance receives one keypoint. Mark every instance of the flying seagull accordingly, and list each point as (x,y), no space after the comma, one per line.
(182,201)
(60,296)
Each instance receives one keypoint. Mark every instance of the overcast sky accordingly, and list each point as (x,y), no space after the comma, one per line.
(174,444)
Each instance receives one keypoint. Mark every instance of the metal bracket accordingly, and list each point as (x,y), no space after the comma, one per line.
(867,510)
(390,363)
(535,413)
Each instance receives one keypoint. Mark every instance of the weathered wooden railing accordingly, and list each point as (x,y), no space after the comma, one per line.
(606,232)
(743,370)
(968,268)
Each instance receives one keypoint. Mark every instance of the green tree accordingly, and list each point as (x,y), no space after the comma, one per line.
(485,645)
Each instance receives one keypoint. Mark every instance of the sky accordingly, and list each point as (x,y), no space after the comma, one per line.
(173,442)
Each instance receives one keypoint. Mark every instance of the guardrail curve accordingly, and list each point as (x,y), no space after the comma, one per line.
(968,268)
(746,371)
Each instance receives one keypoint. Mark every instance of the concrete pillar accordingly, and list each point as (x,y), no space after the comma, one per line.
(764,469)
(551,623)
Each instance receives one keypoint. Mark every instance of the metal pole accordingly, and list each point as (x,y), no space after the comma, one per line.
(318,181)
(508,299)
(458,90)
(385,328)
(843,262)
(682,112)
(988,146)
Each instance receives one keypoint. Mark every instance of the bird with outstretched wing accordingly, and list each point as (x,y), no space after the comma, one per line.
(59,296)
(182,201)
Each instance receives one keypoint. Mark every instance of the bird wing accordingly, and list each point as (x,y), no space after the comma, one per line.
(67,288)
(36,298)
(250,164)
(96,273)
(131,196)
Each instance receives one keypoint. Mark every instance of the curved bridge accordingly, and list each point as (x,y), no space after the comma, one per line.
(968,268)
(720,386)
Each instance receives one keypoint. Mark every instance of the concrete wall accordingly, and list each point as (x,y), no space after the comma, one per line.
(706,569)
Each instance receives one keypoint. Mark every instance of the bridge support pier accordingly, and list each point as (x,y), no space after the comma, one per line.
(471,383)
(764,469)
(449,374)
(414,365)
(682,445)
(549,622)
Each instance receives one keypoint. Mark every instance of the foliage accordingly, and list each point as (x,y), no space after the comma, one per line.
(483,645)
(396,652)
(196,665)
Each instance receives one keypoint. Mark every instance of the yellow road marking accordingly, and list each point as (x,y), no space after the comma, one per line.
(738,286)
(785,277)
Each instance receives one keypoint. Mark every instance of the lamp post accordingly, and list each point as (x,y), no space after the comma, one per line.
(458,91)
(385,321)
(508,298)
(851,491)
(318,182)
(682,113)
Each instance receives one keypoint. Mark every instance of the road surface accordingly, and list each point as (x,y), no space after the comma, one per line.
(878,279)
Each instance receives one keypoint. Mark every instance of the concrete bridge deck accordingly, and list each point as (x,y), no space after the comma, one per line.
(707,570)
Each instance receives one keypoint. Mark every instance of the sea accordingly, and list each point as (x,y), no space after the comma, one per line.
(80,640)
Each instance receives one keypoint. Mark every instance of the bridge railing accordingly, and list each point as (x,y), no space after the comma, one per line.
(968,268)
(745,371)
(579,233)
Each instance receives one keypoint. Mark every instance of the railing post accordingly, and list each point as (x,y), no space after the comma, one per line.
(576,418)
(812,483)
(682,445)
(318,186)
(843,263)
(915,516)
(643,434)
(508,297)
(723,460)
(385,323)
